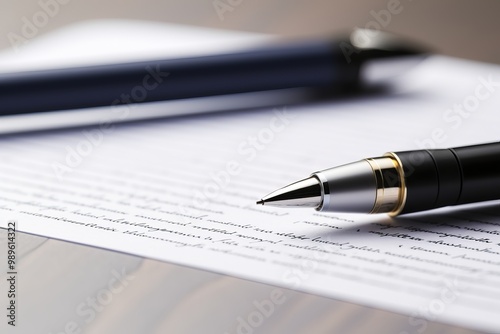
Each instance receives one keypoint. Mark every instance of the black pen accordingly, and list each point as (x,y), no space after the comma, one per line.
(399,182)
(331,65)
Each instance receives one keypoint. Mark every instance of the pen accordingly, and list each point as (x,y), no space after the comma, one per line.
(399,182)
(332,65)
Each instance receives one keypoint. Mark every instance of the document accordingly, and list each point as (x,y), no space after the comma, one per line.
(183,190)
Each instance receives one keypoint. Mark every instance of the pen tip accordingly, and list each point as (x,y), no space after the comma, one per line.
(260,202)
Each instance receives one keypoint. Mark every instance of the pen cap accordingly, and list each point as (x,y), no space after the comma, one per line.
(382,55)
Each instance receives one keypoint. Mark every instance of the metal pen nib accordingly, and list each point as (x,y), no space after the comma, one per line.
(368,186)
(303,193)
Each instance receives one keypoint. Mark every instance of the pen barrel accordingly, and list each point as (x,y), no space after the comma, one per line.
(480,167)
(318,64)
(442,177)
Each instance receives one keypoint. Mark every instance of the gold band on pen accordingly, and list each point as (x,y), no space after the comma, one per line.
(391,189)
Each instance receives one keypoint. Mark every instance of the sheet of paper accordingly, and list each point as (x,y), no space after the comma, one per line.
(183,190)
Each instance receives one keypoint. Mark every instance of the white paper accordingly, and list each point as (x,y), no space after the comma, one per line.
(183,190)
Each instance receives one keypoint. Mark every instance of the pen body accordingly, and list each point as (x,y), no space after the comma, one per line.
(399,182)
(441,177)
(305,64)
